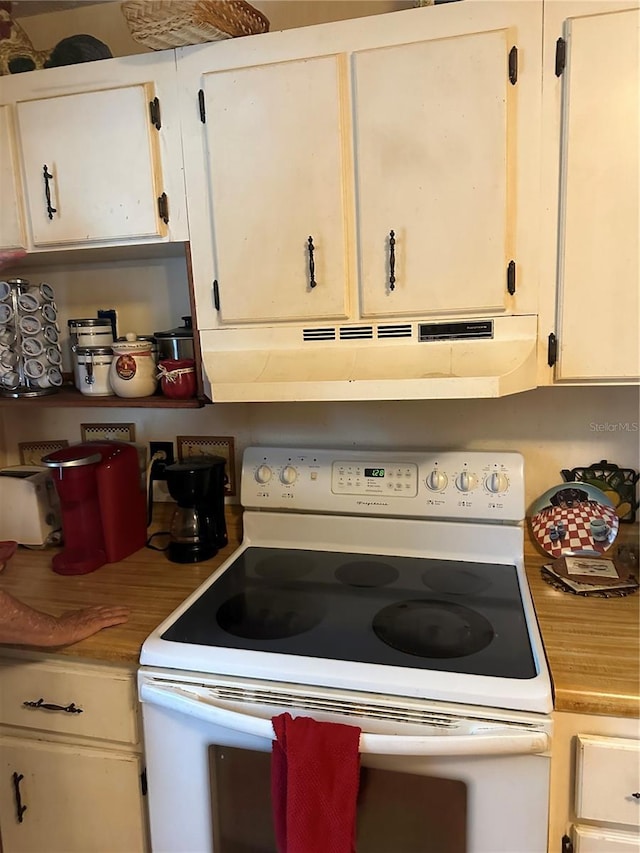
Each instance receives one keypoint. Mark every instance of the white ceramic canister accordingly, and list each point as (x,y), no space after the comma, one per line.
(91,370)
(133,370)
(90,332)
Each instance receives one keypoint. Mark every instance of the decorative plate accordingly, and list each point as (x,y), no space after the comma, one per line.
(574,518)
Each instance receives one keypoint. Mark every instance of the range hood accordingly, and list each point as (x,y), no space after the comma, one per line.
(415,360)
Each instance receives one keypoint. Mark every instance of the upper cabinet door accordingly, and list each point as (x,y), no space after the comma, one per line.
(598,258)
(276,164)
(435,166)
(90,166)
(11,232)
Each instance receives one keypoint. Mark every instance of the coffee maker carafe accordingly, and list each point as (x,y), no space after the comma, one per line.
(198,529)
(102,502)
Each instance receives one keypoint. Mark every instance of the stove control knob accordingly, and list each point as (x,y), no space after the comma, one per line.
(288,475)
(263,474)
(497,482)
(466,482)
(436,481)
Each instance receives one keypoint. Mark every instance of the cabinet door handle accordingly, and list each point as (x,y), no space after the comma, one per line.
(392,260)
(48,177)
(636,794)
(312,266)
(49,706)
(20,809)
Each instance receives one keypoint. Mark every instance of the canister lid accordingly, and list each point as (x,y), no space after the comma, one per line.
(185,331)
(94,322)
(85,351)
(132,344)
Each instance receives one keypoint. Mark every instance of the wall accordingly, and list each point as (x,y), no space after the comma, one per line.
(553,428)
(106,22)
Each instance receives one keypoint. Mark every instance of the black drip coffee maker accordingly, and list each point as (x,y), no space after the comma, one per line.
(198,528)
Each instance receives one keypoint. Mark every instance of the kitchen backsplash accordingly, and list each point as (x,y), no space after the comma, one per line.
(553,428)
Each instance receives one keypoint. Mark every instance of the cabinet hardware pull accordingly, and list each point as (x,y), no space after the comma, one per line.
(552,350)
(48,177)
(20,809)
(49,706)
(636,794)
(312,266)
(216,294)
(392,260)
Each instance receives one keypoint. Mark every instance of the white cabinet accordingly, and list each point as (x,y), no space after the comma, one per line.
(71,766)
(276,167)
(97,181)
(595,785)
(591,174)
(66,798)
(11,230)
(99,151)
(435,175)
(423,123)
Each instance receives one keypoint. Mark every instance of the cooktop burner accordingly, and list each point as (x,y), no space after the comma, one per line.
(423,613)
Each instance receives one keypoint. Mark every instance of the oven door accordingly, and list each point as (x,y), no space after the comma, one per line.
(452,784)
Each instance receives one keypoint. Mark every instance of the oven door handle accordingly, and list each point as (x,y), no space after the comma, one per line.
(500,740)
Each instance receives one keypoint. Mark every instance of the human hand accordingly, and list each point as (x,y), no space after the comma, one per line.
(77,625)
(7,550)
(10,256)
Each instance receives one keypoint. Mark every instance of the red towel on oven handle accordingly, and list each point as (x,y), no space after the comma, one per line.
(315,773)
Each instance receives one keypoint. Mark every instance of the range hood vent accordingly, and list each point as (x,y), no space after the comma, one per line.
(324,334)
(353,333)
(395,330)
(404,361)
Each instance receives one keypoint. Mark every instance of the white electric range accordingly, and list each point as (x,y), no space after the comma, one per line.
(385,589)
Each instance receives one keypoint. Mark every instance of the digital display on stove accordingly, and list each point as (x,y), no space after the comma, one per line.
(374,472)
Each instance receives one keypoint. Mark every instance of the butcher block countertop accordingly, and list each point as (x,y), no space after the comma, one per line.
(592,644)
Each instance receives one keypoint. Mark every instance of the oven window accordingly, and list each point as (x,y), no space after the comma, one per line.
(399,812)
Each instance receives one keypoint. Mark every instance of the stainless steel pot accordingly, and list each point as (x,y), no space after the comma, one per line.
(176,343)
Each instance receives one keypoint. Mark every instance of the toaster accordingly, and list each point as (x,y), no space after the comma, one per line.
(29,506)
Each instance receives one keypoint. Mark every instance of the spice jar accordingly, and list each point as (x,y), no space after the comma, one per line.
(133,369)
(177,378)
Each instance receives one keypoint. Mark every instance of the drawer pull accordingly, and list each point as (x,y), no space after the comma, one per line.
(20,809)
(636,795)
(49,706)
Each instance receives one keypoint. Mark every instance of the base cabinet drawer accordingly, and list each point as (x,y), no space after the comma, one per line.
(608,780)
(587,839)
(96,702)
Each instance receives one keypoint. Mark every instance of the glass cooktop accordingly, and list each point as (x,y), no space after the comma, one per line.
(399,611)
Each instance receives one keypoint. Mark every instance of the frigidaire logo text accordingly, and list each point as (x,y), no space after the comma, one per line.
(372,503)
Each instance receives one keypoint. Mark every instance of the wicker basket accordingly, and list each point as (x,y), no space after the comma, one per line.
(161,24)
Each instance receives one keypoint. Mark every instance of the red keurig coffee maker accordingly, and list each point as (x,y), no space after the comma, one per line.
(103,505)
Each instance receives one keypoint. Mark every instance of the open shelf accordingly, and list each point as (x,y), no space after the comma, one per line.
(69,397)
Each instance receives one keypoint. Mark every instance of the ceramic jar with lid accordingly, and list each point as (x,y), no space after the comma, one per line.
(133,371)
(92,367)
(177,378)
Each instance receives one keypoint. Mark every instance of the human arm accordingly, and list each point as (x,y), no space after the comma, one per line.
(21,624)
